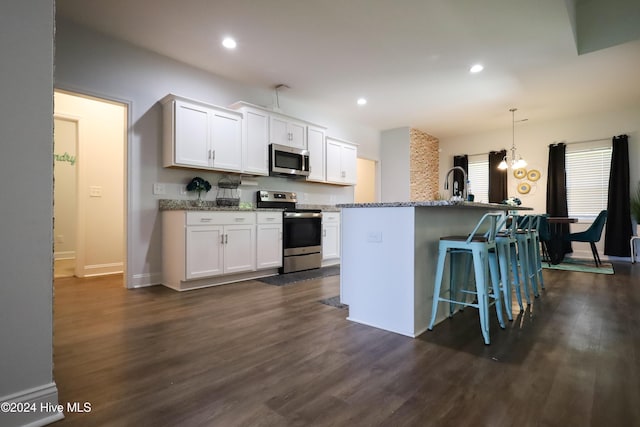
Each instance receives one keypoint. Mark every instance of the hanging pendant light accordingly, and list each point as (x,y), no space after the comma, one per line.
(513,160)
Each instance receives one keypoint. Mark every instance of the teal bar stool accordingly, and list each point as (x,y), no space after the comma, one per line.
(540,233)
(508,259)
(481,246)
(523,239)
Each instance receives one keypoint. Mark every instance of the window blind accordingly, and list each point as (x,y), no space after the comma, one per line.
(587,181)
(479,177)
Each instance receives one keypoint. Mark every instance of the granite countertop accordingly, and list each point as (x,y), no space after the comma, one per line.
(433,203)
(210,205)
(324,208)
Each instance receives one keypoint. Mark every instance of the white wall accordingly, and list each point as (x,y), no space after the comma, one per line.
(26,185)
(532,140)
(101,172)
(87,62)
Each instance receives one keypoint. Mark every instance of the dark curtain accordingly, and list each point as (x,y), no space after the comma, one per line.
(616,238)
(497,177)
(463,162)
(557,190)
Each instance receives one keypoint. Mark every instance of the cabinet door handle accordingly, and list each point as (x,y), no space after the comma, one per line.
(205,219)
(324,232)
(226,239)
(209,154)
(213,155)
(239,219)
(222,239)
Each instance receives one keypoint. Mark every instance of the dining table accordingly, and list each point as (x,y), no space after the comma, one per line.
(556,240)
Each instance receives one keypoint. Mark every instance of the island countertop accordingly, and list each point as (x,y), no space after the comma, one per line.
(389,255)
(433,203)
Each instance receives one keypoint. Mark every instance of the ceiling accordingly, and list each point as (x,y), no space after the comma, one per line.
(409,58)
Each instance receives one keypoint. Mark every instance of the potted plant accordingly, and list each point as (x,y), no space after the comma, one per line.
(198,184)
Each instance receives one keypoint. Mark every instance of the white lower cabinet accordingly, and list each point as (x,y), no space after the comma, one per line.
(269,237)
(239,244)
(330,238)
(204,251)
(200,245)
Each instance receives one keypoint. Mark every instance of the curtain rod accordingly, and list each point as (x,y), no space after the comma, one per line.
(582,142)
(480,154)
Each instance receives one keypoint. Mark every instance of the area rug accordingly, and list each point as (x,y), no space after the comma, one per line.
(587,266)
(334,302)
(299,276)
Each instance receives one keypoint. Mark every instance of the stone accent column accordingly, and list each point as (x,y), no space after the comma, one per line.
(424,165)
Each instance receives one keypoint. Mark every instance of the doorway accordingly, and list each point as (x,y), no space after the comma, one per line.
(365,190)
(90,141)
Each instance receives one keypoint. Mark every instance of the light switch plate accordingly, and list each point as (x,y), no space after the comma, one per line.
(159,189)
(95,191)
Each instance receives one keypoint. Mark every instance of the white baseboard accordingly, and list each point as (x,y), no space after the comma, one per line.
(64,255)
(44,399)
(101,269)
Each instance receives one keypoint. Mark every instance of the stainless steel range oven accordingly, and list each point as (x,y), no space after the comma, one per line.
(301,231)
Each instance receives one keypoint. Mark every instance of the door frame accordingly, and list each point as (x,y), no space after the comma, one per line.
(127,172)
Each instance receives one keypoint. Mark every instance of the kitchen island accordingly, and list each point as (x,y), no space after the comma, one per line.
(389,257)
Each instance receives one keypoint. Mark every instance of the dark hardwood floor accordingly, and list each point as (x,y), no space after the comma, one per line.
(251,354)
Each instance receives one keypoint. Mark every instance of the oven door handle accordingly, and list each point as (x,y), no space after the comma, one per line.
(303,214)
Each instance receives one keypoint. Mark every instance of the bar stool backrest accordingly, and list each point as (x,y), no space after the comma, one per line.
(490,218)
(508,224)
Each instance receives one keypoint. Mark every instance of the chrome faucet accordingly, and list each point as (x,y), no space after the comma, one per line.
(464,183)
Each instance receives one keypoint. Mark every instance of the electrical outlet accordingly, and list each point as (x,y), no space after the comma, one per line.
(374,236)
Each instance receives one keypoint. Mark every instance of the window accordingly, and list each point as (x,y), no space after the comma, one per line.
(479,177)
(587,180)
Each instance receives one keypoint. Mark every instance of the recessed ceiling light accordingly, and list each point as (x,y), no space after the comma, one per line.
(362,101)
(476,68)
(229,43)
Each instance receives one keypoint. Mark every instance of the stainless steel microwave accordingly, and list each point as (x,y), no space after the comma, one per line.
(288,161)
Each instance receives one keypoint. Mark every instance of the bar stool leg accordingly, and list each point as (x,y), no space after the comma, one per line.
(496,293)
(481,271)
(516,274)
(442,255)
(523,258)
(504,257)
(532,264)
(538,253)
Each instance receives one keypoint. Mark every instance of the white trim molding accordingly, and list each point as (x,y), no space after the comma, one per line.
(44,401)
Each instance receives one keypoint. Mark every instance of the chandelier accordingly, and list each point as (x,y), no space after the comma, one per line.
(513,160)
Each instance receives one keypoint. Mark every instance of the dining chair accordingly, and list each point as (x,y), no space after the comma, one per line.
(591,235)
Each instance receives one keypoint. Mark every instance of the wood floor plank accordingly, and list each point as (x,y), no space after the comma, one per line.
(251,354)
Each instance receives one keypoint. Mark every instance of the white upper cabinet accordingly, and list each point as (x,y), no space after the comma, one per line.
(202,136)
(287,131)
(226,141)
(316,143)
(255,139)
(341,162)
(188,144)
